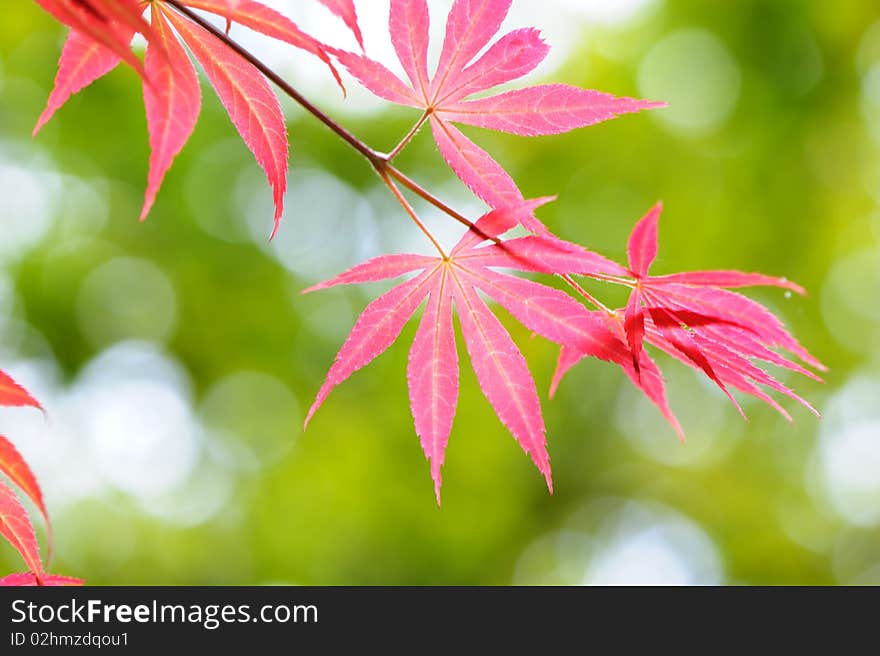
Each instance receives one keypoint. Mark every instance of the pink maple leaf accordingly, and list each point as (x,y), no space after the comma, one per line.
(539,110)
(501,370)
(695,318)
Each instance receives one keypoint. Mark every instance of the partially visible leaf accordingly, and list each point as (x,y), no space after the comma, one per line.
(634,324)
(378,269)
(513,56)
(648,378)
(729,279)
(17,470)
(544,254)
(16,527)
(27,579)
(495,223)
(13,394)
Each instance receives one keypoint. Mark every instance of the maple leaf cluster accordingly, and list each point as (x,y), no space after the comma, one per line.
(691,316)
(15,524)
(694,317)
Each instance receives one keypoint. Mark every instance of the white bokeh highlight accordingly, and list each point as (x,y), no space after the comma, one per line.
(624,542)
(848,454)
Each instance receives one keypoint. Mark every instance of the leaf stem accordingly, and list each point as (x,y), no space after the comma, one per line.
(595,302)
(615,280)
(412,213)
(409,137)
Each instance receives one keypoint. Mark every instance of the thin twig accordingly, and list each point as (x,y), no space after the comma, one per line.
(595,302)
(409,137)
(412,213)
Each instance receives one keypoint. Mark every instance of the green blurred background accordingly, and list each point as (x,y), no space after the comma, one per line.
(176,357)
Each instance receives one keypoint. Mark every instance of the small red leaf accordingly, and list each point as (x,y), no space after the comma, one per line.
(470,26)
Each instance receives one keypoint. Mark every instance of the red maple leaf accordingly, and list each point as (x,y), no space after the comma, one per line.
(696,318)
(537,110)
(100,39)
(15,525)
(501,370)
